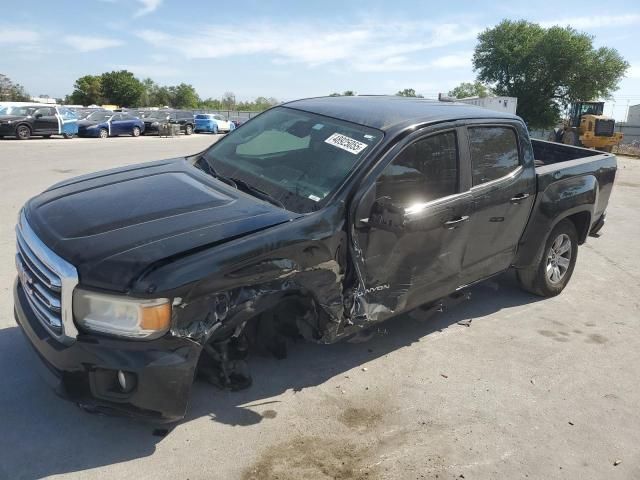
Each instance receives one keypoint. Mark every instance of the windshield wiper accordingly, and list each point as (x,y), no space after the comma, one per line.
(205,166)
(242,185)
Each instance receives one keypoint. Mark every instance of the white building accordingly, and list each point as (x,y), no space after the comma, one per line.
(633,117)
(499,104)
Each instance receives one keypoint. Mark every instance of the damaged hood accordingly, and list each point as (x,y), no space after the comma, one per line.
(113,226)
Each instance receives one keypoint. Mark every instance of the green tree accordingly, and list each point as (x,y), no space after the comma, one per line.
(545,68)
(184,96)
(87,90)
(408,92)
(122,88)
(470,89)
(12,92)
(346,93)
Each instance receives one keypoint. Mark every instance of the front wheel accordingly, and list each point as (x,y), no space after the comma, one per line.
(556,262)
(23,132)
(135,132)
(104,133)
(67,135)
(188,130)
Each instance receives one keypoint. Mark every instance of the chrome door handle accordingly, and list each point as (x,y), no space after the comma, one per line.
(455,222)
(518,198)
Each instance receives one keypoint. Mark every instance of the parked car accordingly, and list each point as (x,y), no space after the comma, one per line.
(212,123)
(237,121)
(25,121)
(110,124)
(322,216)
(156,118)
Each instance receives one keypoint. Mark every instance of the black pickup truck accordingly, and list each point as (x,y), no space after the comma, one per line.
(317,218)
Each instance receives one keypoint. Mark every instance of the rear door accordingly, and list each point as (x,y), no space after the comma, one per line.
(412,225)
(503,189)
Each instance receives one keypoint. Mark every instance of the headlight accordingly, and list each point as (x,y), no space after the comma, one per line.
(122,316)
(154,124)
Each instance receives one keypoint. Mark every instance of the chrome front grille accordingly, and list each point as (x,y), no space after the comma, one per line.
(48,282)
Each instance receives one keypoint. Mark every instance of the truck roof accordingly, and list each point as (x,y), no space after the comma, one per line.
(386,112)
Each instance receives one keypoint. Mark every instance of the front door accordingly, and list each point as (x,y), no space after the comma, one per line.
(504,183)
(46,121)
(118,125)
(412,227)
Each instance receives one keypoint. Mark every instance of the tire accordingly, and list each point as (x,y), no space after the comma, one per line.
(23,132)
(571,137)
(188,130)
(555,262)
(104,133)
(135,132)
(68,135)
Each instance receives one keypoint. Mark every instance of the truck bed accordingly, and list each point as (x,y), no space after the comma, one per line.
(568,165)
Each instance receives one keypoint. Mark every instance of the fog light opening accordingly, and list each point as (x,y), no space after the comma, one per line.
(126,381)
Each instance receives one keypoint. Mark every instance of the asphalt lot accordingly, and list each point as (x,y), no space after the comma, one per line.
(532,388)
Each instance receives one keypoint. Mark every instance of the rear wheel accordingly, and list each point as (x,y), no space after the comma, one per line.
(188,130)
(556,262)
(23,132)
(68,135)
(135,132)
(104,133)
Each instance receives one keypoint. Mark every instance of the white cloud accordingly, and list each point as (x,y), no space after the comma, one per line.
(595,21)
(90,43)
(364,46)
(634,71)
(148,6)
(13,35)
(152,71)
(457,60)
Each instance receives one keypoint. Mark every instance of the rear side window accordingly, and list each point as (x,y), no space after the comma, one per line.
(494,153)
(424,171)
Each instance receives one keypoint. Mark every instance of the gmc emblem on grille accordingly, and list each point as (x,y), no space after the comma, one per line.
(25,278)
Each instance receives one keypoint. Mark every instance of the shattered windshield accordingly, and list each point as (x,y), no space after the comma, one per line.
(298,158)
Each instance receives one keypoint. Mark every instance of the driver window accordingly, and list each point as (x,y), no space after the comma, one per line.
(45,112)
(424,171)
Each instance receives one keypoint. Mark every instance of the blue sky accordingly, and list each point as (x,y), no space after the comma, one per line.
(285,49)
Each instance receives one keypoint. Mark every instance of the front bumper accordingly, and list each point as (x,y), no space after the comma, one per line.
(7,130)
(84,371)
(89,132)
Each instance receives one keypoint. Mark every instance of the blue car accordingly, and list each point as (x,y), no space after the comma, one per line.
(105,124)
(212,123)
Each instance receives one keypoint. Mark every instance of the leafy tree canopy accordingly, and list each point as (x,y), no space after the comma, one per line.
(470,89)
(12,92)
(87,90)
(545,68)
(408,92)
(122,88)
